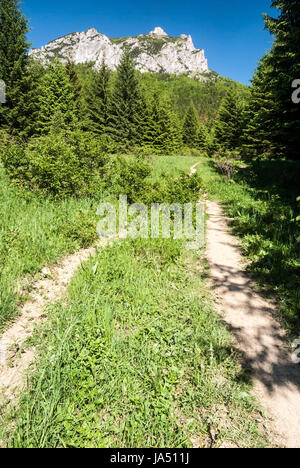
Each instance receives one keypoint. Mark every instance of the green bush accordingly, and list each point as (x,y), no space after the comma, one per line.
(127,175)
(170,189)
(59,165)
(75,164)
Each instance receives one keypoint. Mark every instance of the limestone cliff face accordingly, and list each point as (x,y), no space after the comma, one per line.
(153,52)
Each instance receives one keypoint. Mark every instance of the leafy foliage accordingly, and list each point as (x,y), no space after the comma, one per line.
(68,164)
(73,164)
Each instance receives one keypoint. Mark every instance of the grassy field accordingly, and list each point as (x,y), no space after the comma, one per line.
(137,358)
(33,233)
(36,231)
(262,200)
(172,165)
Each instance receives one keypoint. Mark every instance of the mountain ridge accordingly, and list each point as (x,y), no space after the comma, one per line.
(153,52)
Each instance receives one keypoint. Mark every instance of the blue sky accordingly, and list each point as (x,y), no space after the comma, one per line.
(231,31)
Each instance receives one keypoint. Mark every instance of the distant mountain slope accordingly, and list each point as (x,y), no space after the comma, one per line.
(206,92)
(155,52)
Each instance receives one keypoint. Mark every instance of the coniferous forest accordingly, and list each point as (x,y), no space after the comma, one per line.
(131,349)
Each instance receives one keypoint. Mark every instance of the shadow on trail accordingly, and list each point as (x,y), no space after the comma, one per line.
(263,206)
(263,346)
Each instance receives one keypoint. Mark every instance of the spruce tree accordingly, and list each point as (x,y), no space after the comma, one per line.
(229,123)
(260,114)
(97,102)
(163,132)
(142,120)
(190,127)
(125,103)
(56,104)
(13,65)
(28,102)
(202,138)
(74,79)
(284,63)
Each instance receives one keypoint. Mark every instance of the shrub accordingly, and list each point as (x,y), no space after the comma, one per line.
(75,164)
(127,176)
(170,189)
(61,165)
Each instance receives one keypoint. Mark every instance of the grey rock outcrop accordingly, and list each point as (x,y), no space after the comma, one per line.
(153,52)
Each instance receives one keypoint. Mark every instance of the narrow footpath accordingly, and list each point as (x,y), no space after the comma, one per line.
(259,337)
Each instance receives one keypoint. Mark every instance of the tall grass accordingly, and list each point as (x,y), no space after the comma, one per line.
(34,232)
(171,165)
(136,355)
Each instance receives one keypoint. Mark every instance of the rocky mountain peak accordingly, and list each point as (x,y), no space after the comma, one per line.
(158,32)
(92,32)
(154,52)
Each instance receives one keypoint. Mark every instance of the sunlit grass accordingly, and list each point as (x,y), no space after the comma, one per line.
(34,232)
(137,358)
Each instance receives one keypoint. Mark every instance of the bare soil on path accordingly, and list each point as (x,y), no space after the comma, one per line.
(14,361)
(260,338)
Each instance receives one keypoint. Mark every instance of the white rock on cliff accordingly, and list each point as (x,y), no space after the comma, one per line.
(153,52)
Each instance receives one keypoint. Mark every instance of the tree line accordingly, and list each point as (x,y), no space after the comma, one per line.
(56,97)
(120,109)
(268,123)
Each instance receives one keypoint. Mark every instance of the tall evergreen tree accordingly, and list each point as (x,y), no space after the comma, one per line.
(97,102)
(163,130)
(284,62)
(229,122)
(142,119)
(191,127)
(274,120)
(125,103)
(202,138)
(13,65)
(56,104)
(259,114)
(72,73)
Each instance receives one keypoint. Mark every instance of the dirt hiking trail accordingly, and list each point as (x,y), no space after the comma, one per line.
(259,337)
(51,288)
